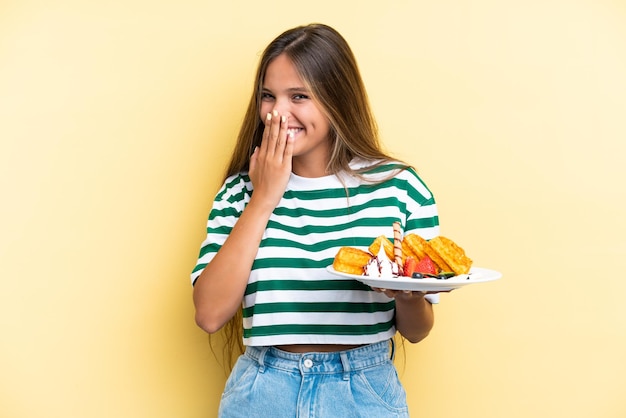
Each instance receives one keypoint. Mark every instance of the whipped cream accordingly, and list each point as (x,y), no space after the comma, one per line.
(381,266)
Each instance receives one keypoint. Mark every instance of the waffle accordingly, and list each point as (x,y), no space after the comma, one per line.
(452,254)
(419,247)
(351,260)
(384,241)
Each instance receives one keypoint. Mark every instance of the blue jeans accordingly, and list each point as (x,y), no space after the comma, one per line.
(269,383)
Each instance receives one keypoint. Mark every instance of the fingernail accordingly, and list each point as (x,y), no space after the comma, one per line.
(275,113)
(269,116)
(283,119)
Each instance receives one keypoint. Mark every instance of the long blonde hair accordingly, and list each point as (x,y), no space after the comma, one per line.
(329,69)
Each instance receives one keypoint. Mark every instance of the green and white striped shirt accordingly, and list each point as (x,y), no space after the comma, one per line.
(290,297)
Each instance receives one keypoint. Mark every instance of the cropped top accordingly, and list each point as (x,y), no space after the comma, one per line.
(291,298)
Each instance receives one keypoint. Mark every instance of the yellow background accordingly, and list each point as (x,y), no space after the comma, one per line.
(116,118)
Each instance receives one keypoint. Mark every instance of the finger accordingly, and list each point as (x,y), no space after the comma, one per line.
(274,130)
(253,159)
(266,133)
(289,145)
(281,137)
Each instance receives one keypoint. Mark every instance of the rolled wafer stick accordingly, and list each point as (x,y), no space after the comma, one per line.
(397,244)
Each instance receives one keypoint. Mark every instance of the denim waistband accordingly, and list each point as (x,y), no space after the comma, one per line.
(322,362)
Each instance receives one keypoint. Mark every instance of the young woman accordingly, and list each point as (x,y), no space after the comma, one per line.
(307,177)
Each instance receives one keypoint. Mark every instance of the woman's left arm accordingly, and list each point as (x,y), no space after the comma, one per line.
(414,314)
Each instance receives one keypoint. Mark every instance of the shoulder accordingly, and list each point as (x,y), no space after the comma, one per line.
(385,169)
(397,174)
(235,187)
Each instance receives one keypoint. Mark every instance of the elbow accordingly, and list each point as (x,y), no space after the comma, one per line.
(416,338)
(214,306)
(415,334)
(207,322)
(209,316)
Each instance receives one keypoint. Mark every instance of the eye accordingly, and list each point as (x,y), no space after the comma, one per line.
(265,96)
(300,97)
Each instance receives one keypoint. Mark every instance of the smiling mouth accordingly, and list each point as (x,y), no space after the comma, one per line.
(294,131)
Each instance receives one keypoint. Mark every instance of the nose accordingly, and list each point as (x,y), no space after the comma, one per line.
(282,106)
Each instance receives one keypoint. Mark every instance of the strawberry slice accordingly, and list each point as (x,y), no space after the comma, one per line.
(409,266)
(426,265)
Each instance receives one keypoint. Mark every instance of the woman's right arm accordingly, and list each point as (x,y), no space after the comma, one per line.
(218,291)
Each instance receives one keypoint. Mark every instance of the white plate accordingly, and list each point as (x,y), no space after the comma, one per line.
(476,275)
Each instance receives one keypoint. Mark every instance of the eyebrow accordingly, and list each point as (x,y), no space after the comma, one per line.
(290,90)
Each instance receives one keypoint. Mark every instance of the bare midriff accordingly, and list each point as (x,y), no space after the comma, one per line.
(320,348)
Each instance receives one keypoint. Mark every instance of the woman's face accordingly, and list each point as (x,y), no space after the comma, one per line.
(285,92)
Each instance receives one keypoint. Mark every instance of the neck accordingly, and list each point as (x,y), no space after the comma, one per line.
(308,169)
